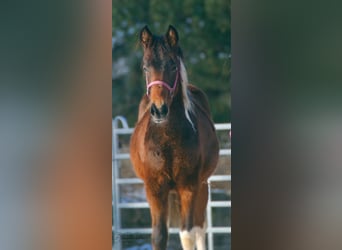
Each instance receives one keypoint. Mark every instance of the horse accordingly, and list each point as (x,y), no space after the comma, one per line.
(174,147)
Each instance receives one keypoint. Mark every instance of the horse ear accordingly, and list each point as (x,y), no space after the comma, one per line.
(145,37)
(172,36)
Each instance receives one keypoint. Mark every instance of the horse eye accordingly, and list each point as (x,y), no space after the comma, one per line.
(174,68)
(145,69)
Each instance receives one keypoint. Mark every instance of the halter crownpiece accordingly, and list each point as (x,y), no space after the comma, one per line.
(164,84)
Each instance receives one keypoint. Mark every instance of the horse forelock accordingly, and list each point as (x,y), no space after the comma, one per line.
(155,55)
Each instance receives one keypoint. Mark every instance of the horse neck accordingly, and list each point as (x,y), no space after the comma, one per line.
(178,99)
(179,108)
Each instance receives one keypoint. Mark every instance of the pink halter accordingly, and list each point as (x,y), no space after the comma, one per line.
(164,84)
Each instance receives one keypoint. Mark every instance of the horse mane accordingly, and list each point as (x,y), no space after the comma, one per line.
(186,95)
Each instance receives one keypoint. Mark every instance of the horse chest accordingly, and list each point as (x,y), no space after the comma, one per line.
(167,153)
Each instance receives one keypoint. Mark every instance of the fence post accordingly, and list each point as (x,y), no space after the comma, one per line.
(115,187)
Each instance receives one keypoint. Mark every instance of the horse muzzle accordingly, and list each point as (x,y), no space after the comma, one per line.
(159,114)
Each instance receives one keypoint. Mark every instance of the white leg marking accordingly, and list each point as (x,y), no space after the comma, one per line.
(200,237)
(196,235)
(187,239)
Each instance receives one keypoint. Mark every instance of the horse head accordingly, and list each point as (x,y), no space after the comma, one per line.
(161,64)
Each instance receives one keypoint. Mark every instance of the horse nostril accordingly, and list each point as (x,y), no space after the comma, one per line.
(164,110)
(154,110)
(159,113)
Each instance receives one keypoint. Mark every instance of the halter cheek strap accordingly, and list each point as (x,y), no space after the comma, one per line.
(164,84)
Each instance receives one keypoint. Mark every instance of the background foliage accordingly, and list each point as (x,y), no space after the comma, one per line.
(204,31)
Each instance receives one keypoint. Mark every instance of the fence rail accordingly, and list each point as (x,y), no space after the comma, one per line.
(120,127)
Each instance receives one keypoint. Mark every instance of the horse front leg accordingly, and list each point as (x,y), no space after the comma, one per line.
(188,232)
(158,201)
(200,215)
(193,212)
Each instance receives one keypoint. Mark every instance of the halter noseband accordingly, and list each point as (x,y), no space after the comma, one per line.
(164,84)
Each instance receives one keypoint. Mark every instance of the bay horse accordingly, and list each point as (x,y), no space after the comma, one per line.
(174,147)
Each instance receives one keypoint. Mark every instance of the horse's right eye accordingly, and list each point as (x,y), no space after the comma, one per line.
(145,69)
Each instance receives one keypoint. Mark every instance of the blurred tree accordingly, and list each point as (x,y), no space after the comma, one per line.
(204,31)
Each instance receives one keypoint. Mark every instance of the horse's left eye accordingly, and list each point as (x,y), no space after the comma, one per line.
(174,68)
(145,69)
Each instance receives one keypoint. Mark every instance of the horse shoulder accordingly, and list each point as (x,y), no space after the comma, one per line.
(209,149)
(137,154)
